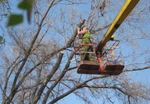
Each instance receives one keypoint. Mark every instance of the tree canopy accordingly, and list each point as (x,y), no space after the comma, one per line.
(37,60)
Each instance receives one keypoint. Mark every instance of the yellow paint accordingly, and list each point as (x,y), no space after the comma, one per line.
(125,10)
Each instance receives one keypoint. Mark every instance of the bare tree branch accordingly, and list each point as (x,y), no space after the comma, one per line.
(46,80)
(13,90)
(137,69)
(78,86)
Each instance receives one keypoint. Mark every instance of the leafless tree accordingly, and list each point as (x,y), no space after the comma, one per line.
(36,66)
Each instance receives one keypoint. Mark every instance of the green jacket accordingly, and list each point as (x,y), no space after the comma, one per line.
(86,37)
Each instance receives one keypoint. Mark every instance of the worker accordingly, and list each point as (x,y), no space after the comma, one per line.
(84,33)
(111,54)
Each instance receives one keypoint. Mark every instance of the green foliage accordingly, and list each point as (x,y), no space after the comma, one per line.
(2,41)
(1,38)
(25,5)
(15,19)
(2,0)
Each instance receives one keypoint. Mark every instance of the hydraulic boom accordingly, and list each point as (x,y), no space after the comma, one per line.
(125,10)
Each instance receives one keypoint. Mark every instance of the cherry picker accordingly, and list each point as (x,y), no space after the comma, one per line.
(109,67)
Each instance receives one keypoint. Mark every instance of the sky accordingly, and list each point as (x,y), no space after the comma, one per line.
(139,76)
(142,76)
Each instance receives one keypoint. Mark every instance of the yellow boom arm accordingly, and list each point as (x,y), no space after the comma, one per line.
(125,10)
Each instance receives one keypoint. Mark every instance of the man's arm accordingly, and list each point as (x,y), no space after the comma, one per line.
(83,31)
